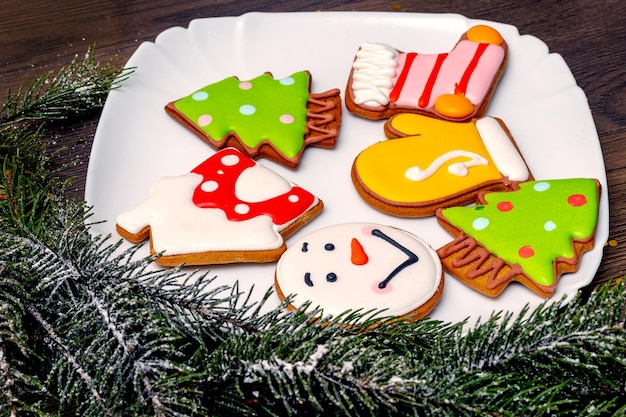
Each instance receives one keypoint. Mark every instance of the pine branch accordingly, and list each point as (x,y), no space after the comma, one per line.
(88,329)
(544,369)
(85,301)
(76,89)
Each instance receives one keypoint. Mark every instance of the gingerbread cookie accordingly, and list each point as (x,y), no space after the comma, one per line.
(262,117)
(532,235)
(228,209)
(435,163)
(361,266)
(455,85)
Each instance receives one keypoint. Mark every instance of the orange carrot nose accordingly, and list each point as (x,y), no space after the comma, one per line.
(358,257)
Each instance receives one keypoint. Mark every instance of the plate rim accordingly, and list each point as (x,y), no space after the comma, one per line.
(601,233)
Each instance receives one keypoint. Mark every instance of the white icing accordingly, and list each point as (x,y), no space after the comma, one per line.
(502,151)
(460,169)
(373,71)
(259,183)
(209,186)
(356,286)
(230,160)
(242,208)
(178,226)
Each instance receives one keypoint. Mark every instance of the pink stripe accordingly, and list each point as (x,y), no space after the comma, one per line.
(399,84)
(416,79)
(452,71)
(482,76)
(432,79)
(461,87)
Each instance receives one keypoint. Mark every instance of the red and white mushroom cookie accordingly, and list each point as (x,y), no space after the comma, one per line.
(228,209)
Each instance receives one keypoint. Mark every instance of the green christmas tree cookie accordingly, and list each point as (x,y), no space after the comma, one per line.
(262,117)
(532,235)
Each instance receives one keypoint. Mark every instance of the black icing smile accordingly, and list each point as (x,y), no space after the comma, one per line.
(410,261)
(332,277)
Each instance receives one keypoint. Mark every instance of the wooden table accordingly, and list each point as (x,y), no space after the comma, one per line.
(42,35)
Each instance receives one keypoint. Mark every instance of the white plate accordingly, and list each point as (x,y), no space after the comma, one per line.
(137,142)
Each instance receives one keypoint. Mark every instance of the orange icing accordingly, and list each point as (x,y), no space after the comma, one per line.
(484,34)
(382,167)
(454,106)
(357,253)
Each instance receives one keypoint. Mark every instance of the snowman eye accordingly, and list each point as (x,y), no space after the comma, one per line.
(329,246)
(305,247)
(307,279)
(331,277)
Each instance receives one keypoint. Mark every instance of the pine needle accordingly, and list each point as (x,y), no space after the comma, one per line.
(88,329)
(75,90)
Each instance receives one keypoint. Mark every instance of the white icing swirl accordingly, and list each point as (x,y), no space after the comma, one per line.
(373,71)
(460,169)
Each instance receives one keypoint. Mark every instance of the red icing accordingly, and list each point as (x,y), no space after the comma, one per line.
(577,200)
(461,87)
(395,93)
(358,255)
(526,252)
(282,208)
(505,206)
(428,88)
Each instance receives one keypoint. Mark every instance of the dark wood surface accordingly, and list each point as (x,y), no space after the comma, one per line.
(38,36)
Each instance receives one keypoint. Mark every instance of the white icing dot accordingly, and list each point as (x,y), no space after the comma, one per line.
(293,198)
(247,109)
(209,186)
(230,160)
(205,120)
(480,223)
(200,95)
(220,172)
(286,119)
(242,208)
(541,186)
(287,81)
(549,226)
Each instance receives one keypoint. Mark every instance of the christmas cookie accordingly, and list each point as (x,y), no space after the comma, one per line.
(431,163)
(262,117)
(361,266)
(228,209)
(532,235)
(454,85)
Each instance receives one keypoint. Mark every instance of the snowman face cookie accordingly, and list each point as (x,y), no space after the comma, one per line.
(361,266)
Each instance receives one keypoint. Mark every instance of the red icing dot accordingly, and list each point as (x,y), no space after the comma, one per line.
(577,200)
(526,252)
(505,206)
